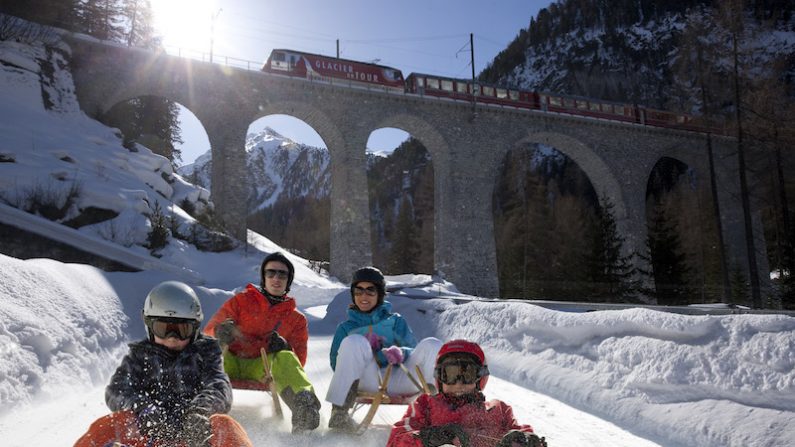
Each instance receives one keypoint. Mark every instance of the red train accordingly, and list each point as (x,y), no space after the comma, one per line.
(314,66)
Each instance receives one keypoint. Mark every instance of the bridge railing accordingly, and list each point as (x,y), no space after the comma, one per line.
(215,58)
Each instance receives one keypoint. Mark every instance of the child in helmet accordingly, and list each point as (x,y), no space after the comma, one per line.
(266,317)
(371,338)
(460,414)
(170,389)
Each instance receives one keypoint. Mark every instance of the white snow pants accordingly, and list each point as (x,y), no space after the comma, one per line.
(355,361)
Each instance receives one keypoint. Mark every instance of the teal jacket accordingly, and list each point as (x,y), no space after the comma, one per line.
(390,327)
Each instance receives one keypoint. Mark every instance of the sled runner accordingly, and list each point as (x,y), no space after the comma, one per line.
(380,397)
(260,385)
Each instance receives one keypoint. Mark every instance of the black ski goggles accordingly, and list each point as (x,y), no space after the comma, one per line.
(172,327)
(460,371)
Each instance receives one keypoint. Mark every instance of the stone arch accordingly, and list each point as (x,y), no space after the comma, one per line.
(420,129)
(601,176)
(438,147)
(315,118)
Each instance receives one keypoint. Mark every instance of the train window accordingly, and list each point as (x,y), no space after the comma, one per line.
(461,87)
(433,83)
(618,110)
(568,102)
(474,89)
(513,94)
(594,106)
(278,57)
(420,81)
(488,91)
(447,85)
(555,101)
(582,104)
(502,93)
(392,75)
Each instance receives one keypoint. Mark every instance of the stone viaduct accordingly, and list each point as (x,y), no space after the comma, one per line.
(466,151)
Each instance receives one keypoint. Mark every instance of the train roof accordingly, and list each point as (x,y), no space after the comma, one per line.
(335,58)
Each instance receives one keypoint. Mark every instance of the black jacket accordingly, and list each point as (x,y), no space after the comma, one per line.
(189,380)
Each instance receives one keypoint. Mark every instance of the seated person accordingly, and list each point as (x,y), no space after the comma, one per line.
(267,317)
(170,389)
(460,414)
(371,338)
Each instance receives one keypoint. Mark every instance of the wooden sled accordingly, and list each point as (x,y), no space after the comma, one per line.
(380,397)
(260,385)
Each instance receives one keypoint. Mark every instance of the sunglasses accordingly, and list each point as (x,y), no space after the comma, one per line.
(173,327)
(369,291)
(464,372)
(281,274)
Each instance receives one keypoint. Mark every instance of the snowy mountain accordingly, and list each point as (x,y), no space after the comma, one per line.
(279,169)
(628,50)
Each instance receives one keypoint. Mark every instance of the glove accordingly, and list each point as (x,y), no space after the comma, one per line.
(443,434)
(375,340)
(226,332)
(196,429)
(393,354)
(153,422)
(277,343)
(522,439)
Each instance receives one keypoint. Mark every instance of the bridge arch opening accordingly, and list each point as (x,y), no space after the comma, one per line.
(400,178)
(682,243)
(288,194)
(543,206)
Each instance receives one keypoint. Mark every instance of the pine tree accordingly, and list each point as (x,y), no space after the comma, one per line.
(151,121)
(669,268)
(139,18)
(609,270)
(102,19)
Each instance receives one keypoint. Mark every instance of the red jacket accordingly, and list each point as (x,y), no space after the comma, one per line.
(256,317)
(485,422)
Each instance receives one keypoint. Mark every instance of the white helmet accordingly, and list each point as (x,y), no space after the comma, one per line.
(172,300)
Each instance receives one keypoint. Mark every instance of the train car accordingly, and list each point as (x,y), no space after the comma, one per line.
(466,90)
(475,92)
(330,69)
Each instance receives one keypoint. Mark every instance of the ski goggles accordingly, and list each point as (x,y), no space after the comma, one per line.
(369,291)
(462,371)
(172,327)
(271,273)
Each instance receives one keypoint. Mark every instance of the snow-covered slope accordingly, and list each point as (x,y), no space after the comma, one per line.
(631,378)
(57,162)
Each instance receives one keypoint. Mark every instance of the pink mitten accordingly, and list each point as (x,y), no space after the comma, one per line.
(393,354)
(375,340)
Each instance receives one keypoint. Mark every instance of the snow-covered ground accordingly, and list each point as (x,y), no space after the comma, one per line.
(612,378)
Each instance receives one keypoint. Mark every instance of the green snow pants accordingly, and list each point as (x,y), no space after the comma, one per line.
(285,368)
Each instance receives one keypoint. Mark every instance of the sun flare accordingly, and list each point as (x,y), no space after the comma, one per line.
(186,24)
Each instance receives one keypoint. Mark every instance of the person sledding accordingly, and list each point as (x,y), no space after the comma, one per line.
(266,317)
(170,389)
(372,338)
(459,414)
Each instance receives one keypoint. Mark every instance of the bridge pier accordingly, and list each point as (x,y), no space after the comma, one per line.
(229,178)
(350,212)
(465,251)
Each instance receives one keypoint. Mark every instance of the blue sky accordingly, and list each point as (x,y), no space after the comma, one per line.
(428,36)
